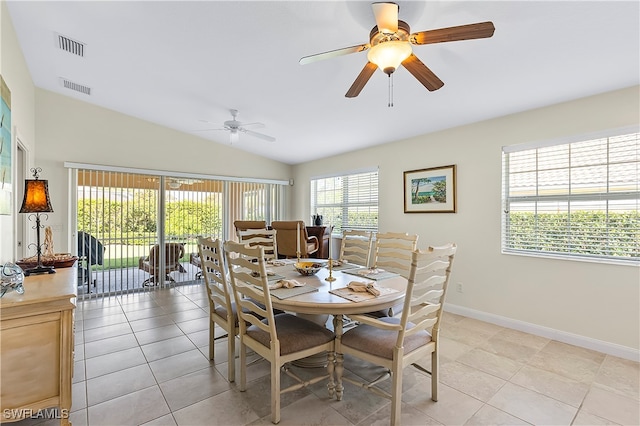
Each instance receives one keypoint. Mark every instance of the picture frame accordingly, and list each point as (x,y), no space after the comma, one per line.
(5,149)
(431,190)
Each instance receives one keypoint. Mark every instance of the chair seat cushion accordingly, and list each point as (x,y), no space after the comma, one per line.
(221,311)
(294,333)
(375,341)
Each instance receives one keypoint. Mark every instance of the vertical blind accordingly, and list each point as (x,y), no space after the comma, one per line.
(578,199)
(348,201)
(128,213)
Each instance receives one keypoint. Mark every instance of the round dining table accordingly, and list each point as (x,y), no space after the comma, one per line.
(318,304)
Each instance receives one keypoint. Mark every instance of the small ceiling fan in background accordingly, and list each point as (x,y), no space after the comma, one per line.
(390,43)
(235,127)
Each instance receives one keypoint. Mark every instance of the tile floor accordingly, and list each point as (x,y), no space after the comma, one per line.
(142,359)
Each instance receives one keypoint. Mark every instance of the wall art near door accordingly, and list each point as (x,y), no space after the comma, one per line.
(430,190)
(5,149)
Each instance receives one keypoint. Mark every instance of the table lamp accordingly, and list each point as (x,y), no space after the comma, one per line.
(36,200)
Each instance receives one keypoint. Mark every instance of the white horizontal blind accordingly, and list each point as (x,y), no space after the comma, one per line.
(349,201)
(578,199)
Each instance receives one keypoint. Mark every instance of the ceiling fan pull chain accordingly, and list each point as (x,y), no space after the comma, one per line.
(390,104)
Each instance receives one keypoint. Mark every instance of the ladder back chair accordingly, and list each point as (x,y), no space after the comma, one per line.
(293,234)
(280,338)
(395,343)
(222,309)
(356,247)
(266,238)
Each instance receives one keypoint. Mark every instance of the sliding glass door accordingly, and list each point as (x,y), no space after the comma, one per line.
(139,231)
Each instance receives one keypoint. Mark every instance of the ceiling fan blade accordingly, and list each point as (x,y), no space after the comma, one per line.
(258,135)
(255,125)
(422,73)
(333,53)
(462,32)
(361,80)
(208,130)
(386,17)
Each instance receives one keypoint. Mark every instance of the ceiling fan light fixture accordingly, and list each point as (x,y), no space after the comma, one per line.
(233,136)
(389,55)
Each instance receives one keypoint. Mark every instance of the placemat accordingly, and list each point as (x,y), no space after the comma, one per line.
(357,296)
(381,275)
(345,266)
(285,293)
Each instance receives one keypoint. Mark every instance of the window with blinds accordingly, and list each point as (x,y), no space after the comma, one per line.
(578,199)
(348,201)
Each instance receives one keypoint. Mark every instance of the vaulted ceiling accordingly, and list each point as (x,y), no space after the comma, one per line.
(180,63)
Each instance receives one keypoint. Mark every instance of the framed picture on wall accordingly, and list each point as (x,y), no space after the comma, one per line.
(5,148)
(430,190)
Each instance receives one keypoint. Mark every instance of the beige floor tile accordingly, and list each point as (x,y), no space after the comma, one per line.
(78,418)
(111,344)
(357,403)
(201,338)
(166,420)
(452,349)
(78,352)
(553,385)
(586,419)
(157,334)
(79,371)
(469,380)
(139,305)
(78,396)
(307,411)
(177,365)
(193,387)
(620,375)
(149,323)
(582,369)
(237,411)
(164,348)
(115,361)
(531,406)
(93,310)
(118,383)
(464,335)
(187,315)
(452,408)
(612,406)
(194,325)
(184,305)
(449,318)
(521,338)
(490,363)
(131,409)
(489,415)
(509,349)
(145,313)
(106,332)
(480,326)
(105,320)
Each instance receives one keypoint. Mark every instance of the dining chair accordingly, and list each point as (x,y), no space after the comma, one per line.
(281,338)
(266,238)
(289,233)
(356,247)
(395,343)
(222,309)
(393,253)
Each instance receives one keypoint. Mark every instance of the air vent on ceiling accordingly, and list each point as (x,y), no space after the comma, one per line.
(75,86)
(69,45)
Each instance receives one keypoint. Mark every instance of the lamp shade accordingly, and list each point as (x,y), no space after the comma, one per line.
(36,197)
(389,55)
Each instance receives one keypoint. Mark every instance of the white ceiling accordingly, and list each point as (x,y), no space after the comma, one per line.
(176,63)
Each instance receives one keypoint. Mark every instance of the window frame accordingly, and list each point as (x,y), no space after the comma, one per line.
(340,221)
(536,199)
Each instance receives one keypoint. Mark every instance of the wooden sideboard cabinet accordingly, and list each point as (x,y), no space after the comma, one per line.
(36,346)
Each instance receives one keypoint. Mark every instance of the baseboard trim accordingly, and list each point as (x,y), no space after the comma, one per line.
(550,333)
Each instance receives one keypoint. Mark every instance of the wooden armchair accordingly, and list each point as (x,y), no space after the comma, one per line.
(288,235)
(173,252)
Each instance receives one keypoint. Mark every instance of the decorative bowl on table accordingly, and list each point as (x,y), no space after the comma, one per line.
(308,268)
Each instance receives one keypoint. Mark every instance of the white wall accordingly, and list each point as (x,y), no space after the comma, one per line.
(70,130)
(15,73)
(596,301)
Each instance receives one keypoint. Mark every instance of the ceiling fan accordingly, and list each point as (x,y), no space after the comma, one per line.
(390,43)
(235,127)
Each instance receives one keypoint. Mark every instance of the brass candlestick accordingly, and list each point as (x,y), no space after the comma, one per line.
(330,278)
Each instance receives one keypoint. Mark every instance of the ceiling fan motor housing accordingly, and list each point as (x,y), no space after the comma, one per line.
(400,39)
